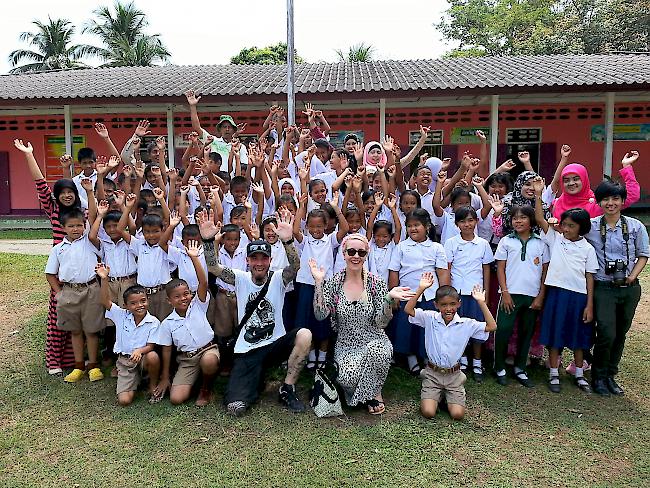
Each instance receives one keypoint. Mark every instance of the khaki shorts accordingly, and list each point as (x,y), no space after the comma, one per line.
(189,368)
(80,309)
(224,314)
(434,384)
(129,374)
(117,289)
(159,306)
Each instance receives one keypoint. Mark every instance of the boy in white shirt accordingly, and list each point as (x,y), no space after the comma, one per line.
(134,330)
(446,336)
(187,327)
(70,271)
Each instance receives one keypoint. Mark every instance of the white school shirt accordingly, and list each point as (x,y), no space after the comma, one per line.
(322,250)
(379,258)
(467,259)
(570,260)
(316,166)
(153,263)
(236,261)
(185,266)
(445,343)
(128,335)
(410,259)
(265,325)
(279,260)
(523,277)
(73,261)
(426,202)
(83,196)
(188,333)
(178,231)
(118,257)
(447,225)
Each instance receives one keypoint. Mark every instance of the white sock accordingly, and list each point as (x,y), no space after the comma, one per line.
(463,360)
(321,356)
(501,373)
(412,360)
(553,372)
(312,356)
(477,366)
(520,373)
(554,375)
(579,372)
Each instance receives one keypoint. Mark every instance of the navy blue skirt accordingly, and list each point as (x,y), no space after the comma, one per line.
(406,337)
(469,308)
(562,324)
(305,318)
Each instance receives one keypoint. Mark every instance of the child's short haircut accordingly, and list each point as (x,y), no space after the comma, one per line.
(237,211)
(463,212)
(286,199)
(215,157)
(230,228)
(110,184)
(580,216)
(526,211)
(199,209)
(315,182)
(420,168)
(86,153)
(191,231)
(367,195)
(267,221)
(154,211)
(74,213)
(152,220)
(323,143)
(350,211)
(133,290)
(414,194)
(457,193)
(147,169)
(501,178)
(382,224)
(113,216)
(175,283)
(331,213)
(609,188)
(238,181)
(224,175)
(146,193)
(447,291)
(318,213)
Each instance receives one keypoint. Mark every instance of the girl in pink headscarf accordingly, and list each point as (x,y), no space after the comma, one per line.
(576,190)
(374,155)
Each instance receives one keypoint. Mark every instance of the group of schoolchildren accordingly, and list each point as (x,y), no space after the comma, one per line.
(131,263)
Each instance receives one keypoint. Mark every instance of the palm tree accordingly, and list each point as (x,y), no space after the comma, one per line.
(53,48)
(125,43)
(361,52)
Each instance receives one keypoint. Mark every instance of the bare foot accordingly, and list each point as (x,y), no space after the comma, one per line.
(205,397)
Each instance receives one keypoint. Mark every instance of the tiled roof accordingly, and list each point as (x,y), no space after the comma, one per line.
(545,73)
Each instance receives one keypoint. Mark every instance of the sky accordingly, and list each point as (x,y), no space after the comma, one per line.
(214,30)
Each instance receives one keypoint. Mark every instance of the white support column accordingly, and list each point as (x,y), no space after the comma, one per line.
(67,120)
(171,155)
(494,132)
(382,119)
(609,133)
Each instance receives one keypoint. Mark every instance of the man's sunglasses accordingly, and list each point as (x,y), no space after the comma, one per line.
(354,252)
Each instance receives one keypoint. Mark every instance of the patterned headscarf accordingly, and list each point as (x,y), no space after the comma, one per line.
(516,199)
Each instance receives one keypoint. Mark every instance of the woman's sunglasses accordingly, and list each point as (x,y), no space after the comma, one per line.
(354,252)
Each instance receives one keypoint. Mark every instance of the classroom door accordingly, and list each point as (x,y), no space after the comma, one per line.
(5,194)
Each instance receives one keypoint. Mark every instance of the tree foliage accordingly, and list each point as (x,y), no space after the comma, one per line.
(361,53)
(529,27)
(276,54)
(52,48)
(123,36)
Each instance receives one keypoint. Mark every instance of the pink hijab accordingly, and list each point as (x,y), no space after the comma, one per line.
(366,159)
(584,199)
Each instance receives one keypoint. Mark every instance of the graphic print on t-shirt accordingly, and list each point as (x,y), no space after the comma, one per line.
(260,326)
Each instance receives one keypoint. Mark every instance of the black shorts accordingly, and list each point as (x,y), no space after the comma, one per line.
(246,377)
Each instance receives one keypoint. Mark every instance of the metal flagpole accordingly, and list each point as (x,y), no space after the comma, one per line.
(291,94)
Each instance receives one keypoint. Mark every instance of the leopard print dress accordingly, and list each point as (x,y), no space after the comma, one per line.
(362,350)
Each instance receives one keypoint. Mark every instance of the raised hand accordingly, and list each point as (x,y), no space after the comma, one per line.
(155,170)
(159,194)
(284,226)
(309,110)
(388,144)
(524,156)
(424,130)
(318,272)
(127,169)
(496,204)
(172,174)
(538,185)
(442,177)
(101,165)
(207,227)
(445,164)
(423,158)
(426,280)
(103,208)
(142,129)
(139,169)
(193,249)
(630,158)
(131,198)
(193,137)
(26,148)
(192,98)
(65,160)
(379,198)
(118,197)
(481,135)
(357,183)
(257,187)
(101,130)
(476,164)
(478,294)
(102,270)
(239,128)
(467,160)
(509,165)
(161,143)
(135,142)
(113,162)
(392,201)
(401,293)
(477,181)
(565,151)
(335,199)
(174,218)
(87,184)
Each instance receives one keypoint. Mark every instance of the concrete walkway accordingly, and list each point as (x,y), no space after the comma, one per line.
(33,247)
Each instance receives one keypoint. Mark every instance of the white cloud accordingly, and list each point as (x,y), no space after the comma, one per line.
(210,32)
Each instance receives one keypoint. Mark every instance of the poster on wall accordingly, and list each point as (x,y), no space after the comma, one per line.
(54,149)
(337,137)
(467,135)
(434,137)
(622,132)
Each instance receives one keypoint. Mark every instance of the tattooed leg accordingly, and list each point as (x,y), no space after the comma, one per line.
(298,356)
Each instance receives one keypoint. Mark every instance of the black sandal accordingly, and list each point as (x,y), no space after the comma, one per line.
(376,404)
(523,379)
(554,387)
(584,385)
(415,370)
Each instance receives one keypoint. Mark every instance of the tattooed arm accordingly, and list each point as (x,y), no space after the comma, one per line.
(289,273)
(209,252)
(323,299)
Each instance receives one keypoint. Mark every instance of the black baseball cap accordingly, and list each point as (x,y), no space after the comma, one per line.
(260,246)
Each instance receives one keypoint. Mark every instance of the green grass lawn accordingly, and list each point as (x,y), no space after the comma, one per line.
(53,434)
(15,234)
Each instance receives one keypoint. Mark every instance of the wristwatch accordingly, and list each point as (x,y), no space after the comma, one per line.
(290,241)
